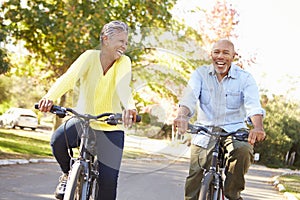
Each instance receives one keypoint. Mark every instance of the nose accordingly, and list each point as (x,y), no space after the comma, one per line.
(220,55)
(124,45)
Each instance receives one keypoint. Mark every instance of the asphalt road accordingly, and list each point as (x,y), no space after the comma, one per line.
(139,179)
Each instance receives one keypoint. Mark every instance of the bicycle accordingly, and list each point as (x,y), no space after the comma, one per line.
(82,179)
(212,187)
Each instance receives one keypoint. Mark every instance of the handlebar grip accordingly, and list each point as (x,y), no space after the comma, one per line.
(53,108)
(58,110)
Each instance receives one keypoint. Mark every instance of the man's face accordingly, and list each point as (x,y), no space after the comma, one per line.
(222,55)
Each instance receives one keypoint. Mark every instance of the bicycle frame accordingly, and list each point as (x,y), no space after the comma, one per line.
(212,187)
(213,176)
(85,164)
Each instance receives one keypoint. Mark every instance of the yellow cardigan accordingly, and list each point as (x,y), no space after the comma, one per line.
(97,93)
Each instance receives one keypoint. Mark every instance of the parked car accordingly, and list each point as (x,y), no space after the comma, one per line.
(19,117)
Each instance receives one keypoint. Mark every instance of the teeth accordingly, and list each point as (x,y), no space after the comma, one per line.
(220,63)
(121,52)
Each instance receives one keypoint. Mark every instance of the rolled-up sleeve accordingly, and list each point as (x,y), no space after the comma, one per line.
(252,99)
(191,93)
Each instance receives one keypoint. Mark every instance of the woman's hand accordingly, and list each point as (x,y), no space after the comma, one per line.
(45,105)
(129,117)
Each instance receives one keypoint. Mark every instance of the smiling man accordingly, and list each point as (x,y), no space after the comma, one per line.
(226,96)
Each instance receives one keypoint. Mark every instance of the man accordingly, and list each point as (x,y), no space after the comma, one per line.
(227,95)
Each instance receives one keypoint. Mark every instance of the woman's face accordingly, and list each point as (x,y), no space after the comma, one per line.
(117,44)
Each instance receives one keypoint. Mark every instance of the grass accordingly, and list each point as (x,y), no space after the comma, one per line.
(19,144)
(23,144)
(291,182)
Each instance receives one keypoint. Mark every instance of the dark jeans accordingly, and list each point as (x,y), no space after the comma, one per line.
(108,148)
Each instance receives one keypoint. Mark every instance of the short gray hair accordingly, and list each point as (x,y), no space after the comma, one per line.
(113,28)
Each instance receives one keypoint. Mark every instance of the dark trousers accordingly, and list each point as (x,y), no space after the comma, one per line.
(108,148)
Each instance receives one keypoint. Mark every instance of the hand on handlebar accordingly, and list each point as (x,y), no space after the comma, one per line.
(181,124)
(129,117)
(45,105)
(256,135)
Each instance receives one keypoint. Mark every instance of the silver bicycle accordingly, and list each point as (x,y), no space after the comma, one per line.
(82,180)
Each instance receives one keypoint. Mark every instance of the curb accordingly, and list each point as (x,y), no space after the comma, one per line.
(282,189)
(25,161)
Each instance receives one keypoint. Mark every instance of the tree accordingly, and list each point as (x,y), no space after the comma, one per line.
(4,61)
(282,125)
(219,22)
(57,32)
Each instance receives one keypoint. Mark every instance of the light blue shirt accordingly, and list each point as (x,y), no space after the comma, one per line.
(226,104)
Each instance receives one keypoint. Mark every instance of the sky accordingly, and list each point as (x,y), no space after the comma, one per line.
(269,28)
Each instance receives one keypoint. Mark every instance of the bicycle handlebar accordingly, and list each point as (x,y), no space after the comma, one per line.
(241,135)
(112,118)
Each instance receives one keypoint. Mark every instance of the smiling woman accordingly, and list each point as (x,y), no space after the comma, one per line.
(104,86)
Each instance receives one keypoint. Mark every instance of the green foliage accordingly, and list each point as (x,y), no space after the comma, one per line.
(5,85)
(57,32)
(282,125)
(4,62)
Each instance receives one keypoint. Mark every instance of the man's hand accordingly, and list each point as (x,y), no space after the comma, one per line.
(45,105)
(181,124)
(129,117)
(181,121)
(256,135)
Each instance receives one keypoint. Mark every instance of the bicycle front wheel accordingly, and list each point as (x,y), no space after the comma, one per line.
(209,189)
(75,183)
(94,187)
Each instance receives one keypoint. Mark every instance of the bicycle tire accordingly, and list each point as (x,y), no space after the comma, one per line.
(208,190)
(94,187)
(75,183)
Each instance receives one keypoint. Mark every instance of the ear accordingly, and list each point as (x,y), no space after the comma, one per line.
(105,40)
(234,54)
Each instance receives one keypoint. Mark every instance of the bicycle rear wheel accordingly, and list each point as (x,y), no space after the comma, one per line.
(209,190)
(76,183)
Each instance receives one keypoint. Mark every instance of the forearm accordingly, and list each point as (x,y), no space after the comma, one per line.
(257,122)
(183,111)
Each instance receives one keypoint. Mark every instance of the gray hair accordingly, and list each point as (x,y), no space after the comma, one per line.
(113,28)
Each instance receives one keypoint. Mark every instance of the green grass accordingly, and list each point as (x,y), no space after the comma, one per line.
(18,144)
(291,182)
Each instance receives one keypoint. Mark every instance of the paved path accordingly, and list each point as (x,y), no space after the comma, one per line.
(139,179)
(144,179)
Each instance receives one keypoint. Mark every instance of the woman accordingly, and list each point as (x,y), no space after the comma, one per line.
(104,78)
